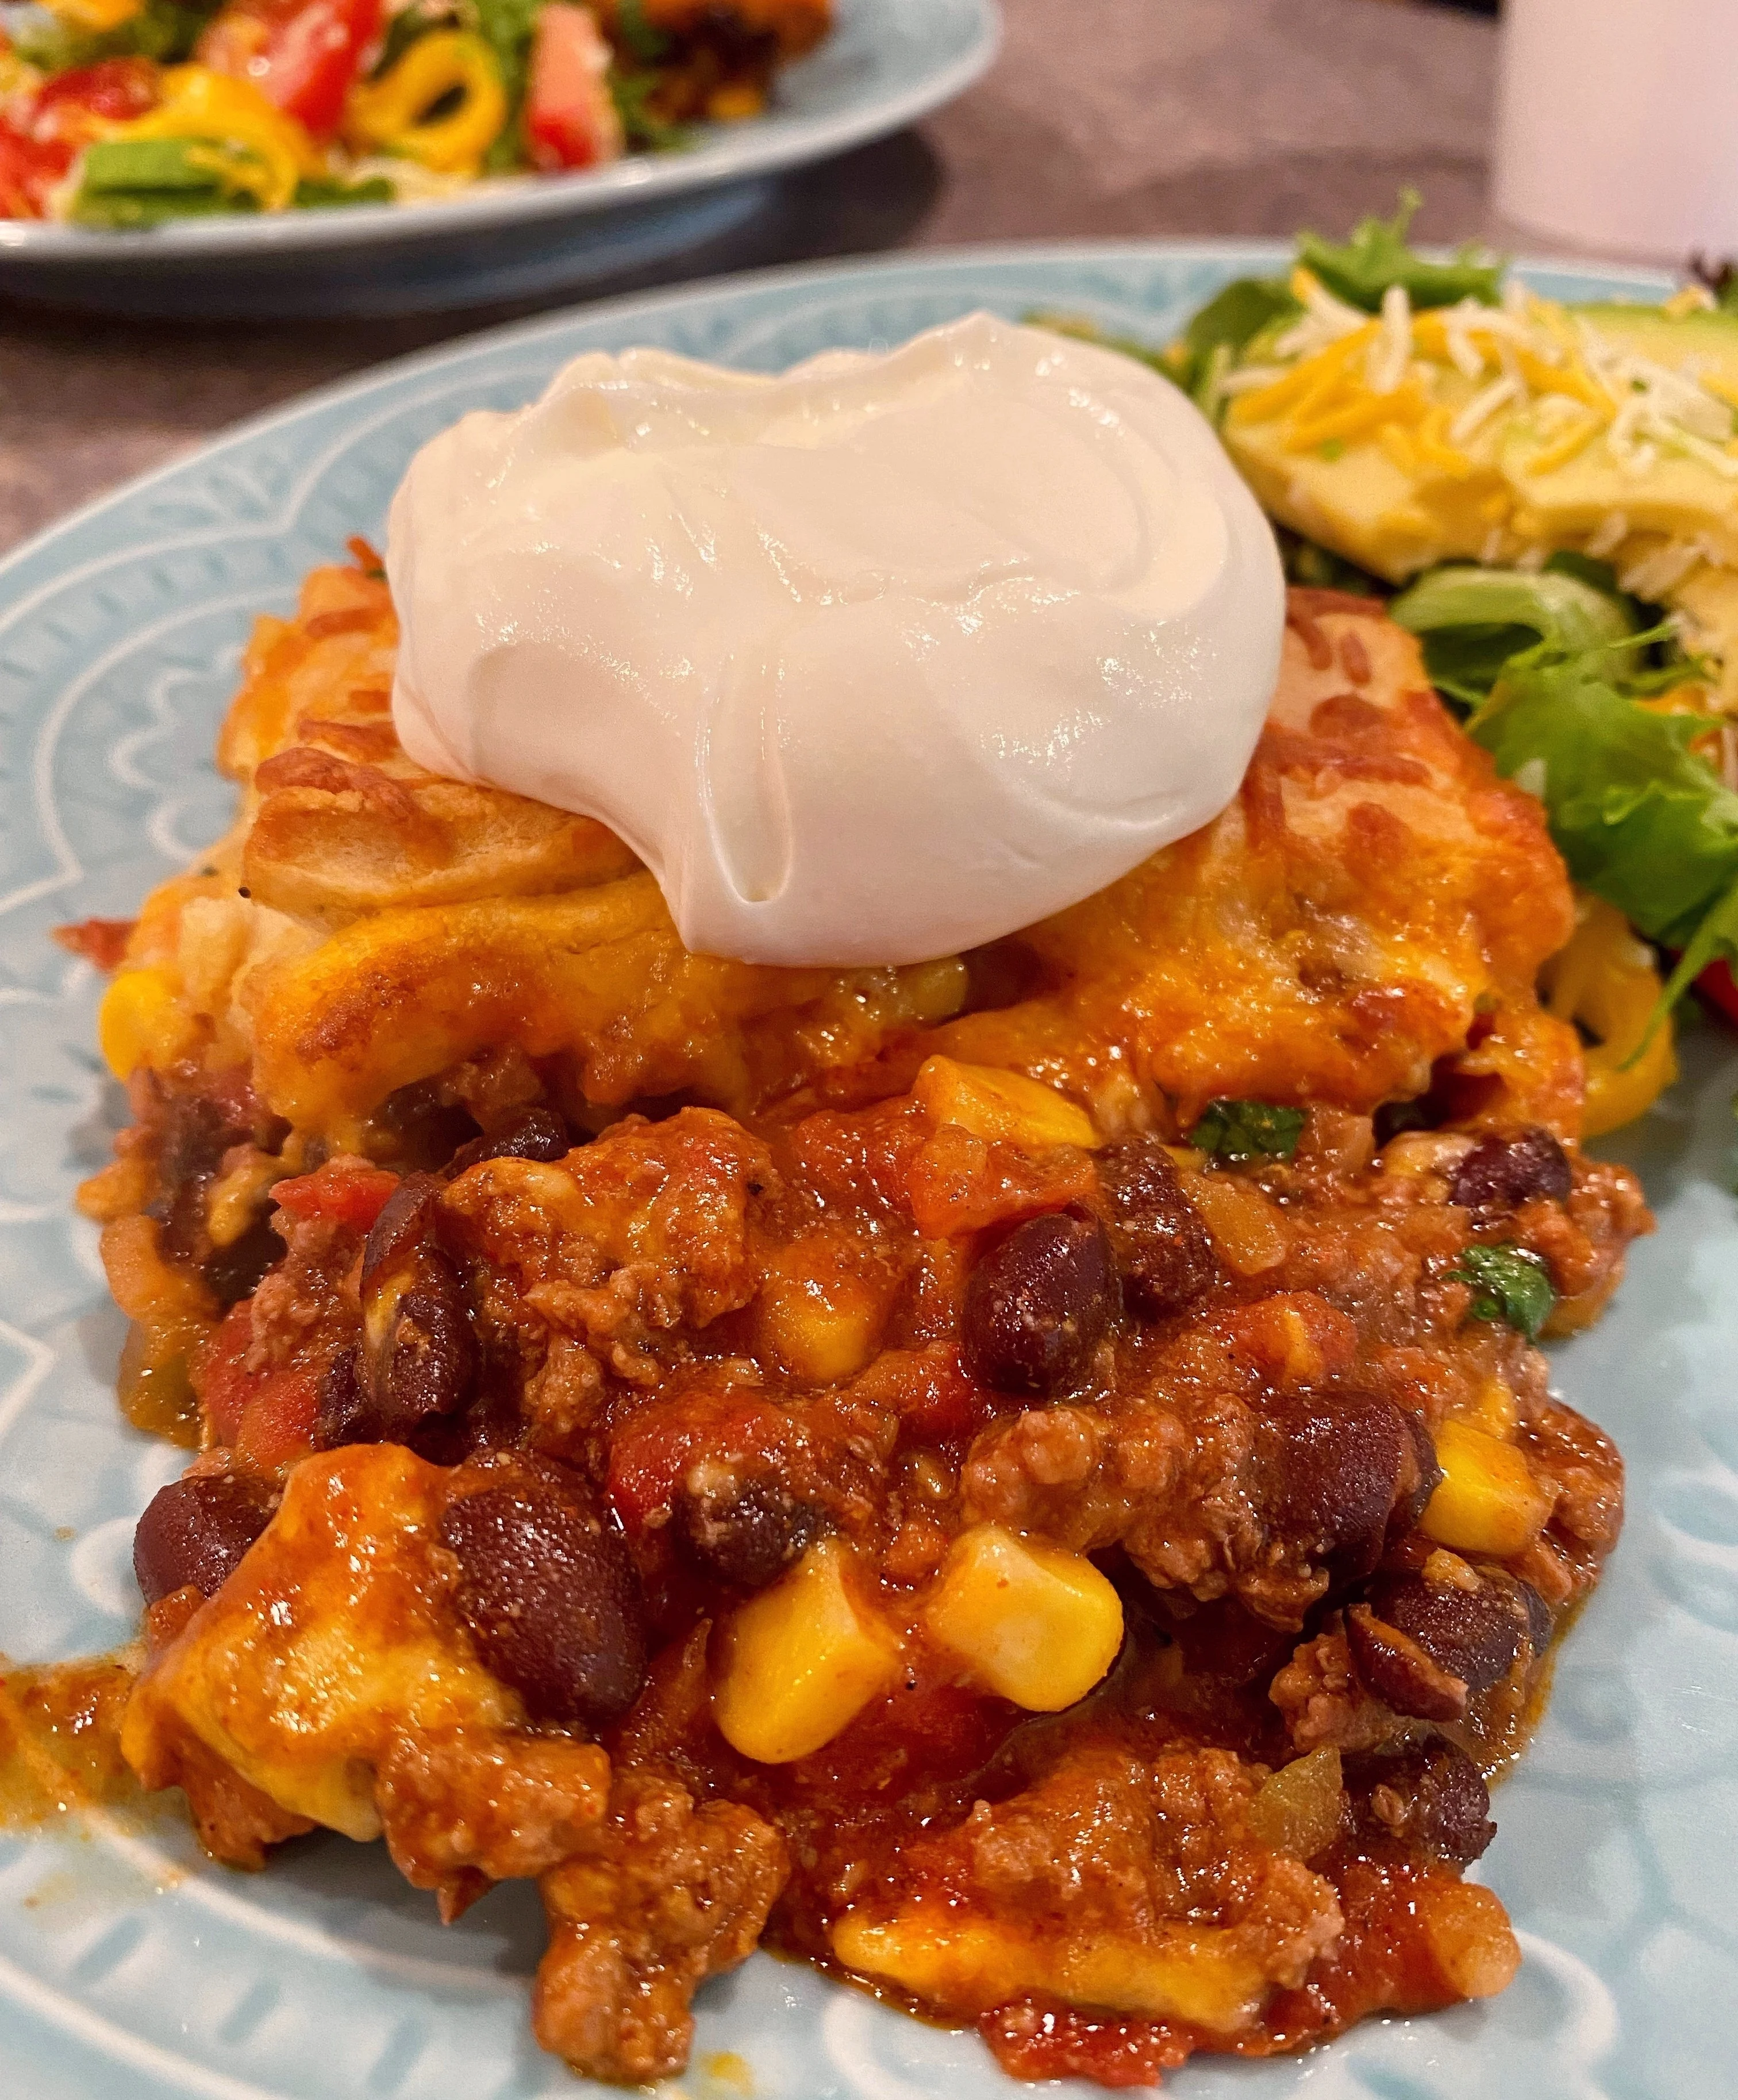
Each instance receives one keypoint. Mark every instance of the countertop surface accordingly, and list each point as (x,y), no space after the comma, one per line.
(1101,117)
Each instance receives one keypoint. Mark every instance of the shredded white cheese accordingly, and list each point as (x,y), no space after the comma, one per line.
(1655,574)
(1613,530)
(1482,407)
(1392,352)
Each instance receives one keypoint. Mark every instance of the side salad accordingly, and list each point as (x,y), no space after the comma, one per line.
(1548,495)
(123,113)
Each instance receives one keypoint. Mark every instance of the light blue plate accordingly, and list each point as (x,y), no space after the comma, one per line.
(128,1969)
(885,63)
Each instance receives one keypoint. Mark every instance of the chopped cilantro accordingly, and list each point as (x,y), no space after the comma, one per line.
(1239,1131)
(1509,1284)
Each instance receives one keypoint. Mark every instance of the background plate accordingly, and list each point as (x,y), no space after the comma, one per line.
(130,1971)
(886,63)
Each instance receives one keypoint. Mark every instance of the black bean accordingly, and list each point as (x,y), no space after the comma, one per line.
(1039,1303)
(551,1600)
(741,1530)
(406,1218)
(196,1135)
(1419,1482)
(1398,1671)
(1429,1796)
(1537,1614)
(423,1130)
(1508,1171)
(425,1364)
(419,1358)
(236,1271)
(1333,1472)
(196,1531)
(343,1413)
(535,1133)
(1474,1634)
(1162,1244)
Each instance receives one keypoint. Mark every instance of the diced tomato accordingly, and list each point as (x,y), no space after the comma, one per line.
(303,55)
(1717,987)
(38,144)
(277,1425)
(649,1456)
(570,117)
(225,1384)
(115,90)
(265,1418)
(29,170)
(347,1195)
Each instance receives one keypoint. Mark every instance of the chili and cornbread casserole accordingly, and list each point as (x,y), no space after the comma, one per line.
(1023,1480)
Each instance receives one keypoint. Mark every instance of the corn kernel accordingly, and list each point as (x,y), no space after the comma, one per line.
(140,1022)
(801,1660)
(1037,1624)
(994,1105)
(1468,1933)
(817,1313)
(1488,1502)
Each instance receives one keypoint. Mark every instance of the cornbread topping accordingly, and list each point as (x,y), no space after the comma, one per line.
(881,659)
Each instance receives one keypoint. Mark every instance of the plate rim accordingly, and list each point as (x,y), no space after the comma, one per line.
(760,149)
(1257,250)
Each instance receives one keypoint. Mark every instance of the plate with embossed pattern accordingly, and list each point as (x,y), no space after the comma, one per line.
(131,1969)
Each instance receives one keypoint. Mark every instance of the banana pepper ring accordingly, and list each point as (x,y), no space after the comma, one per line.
(1605,980)
(391,114)
(254,147)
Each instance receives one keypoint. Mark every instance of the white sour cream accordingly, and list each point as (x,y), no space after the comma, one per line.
(869,663)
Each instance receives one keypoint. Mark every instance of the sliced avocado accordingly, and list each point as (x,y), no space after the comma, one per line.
(1708,337)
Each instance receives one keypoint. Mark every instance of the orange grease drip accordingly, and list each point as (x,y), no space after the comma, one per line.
(60,1740)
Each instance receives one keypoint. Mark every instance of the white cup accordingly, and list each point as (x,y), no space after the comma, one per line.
(1617,124)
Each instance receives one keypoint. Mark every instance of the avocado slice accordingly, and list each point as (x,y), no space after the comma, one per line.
(1708,336)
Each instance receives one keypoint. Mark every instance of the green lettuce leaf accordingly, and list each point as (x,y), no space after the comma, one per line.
(632,90)
(1359,270)
(1640,818)
(640,37)
(507,27)
(1473,621)
(322,192)
(126,184)
(165,30)
(1222,329)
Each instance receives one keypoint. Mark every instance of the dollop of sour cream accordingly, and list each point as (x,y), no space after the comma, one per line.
(870,662)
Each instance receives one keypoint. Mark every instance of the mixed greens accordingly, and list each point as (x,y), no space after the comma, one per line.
(1548,498)
(123,113)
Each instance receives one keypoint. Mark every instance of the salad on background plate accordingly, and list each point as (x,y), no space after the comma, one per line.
(122,114)
(1548,493)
